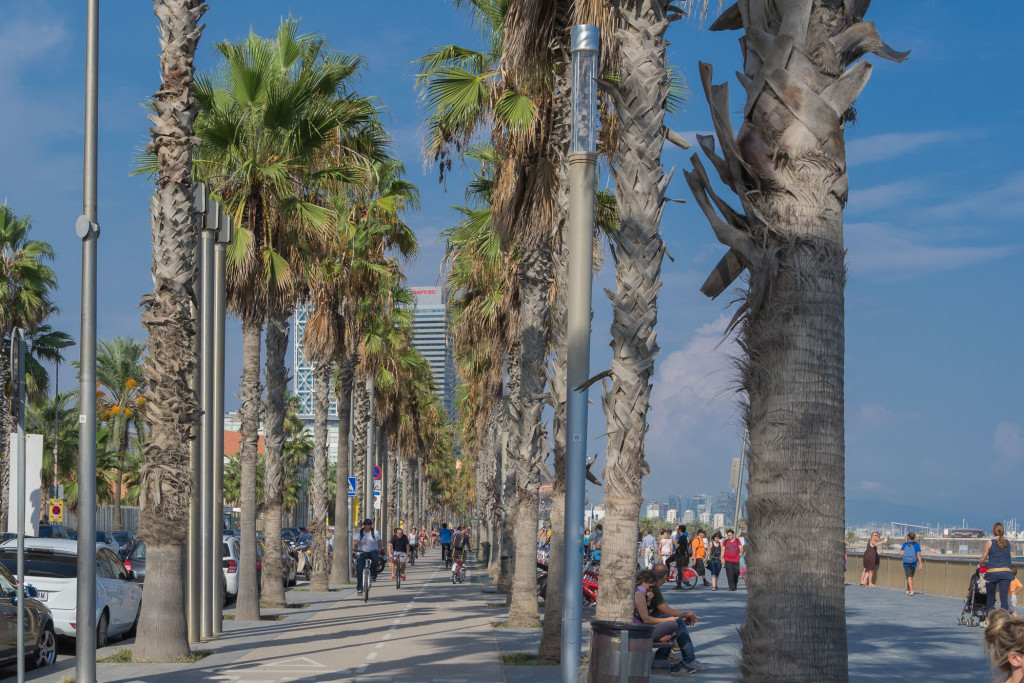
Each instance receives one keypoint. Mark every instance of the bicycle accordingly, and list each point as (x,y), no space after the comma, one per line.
(446,555)
(459,568)
(398,566)
(688,580)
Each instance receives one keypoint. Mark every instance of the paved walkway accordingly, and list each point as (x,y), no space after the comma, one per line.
(431,630)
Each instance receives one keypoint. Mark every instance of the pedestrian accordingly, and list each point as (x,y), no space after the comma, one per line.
(1015,587)
(871,560)
(586,543)
(699,554)
(414,544)
(665,546)
(732,552)
(597,538)
(911,553)
(998,569)
(715,559)
(1004,643)
(743,555)
(650,548)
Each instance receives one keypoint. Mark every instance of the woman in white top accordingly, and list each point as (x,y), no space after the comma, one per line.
(665,547)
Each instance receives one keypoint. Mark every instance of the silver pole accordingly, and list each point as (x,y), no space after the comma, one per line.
(56,424)
(351,440)
(194,551)
(219,284)
(739,486)
(370,429)
(207,314)
(579,241)
(18,383)
(87,229)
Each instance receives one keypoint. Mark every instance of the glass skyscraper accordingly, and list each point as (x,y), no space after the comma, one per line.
(303,383)
(432,337)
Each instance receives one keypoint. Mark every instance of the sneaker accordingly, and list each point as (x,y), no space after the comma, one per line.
(696,665)
(910,592)
(907,592)
(679,670)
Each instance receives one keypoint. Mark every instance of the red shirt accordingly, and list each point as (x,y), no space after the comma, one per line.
(731,550)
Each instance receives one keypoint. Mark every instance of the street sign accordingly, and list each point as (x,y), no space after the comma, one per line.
(734,479)
(351,486)
(56,510)
(376,499)
(376,471)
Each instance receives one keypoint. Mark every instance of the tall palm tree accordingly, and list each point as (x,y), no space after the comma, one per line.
(166,479)
(278,122)
(120,402)
(26,284)
(787,165)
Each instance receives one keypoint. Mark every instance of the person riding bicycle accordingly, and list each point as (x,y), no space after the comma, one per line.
(414,543)
(398,550)
(446,542)
(368,545)
(460,542)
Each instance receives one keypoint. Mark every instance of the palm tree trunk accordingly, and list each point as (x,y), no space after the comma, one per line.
(640,183)
(247,606)
(318,525)
(340,566)
(787,165)
(122,446)
(172,410)
(359,431)
(273,473)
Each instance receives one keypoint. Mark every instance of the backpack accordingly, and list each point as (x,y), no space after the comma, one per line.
(909,553)
(362,532)
(458,540)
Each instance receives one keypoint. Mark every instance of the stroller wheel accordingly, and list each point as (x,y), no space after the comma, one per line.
(960,621)
(974,622)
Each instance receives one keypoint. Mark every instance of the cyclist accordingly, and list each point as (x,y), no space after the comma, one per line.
(398,549)
(414,544)
(446,542)
(368,545)
(460,543)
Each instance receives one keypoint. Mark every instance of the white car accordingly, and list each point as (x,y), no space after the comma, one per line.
(51,565)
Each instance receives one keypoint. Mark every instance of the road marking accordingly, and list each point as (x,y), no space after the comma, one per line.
(387,636)
(293,663)
(379,645)
(362,669)
(372,655)
(398,621)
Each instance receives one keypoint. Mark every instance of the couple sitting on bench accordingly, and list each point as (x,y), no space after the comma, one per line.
(669,624)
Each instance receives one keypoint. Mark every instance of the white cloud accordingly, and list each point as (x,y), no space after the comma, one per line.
(898,253)
(1004,201)
(870,486)
(882,196)
(874,148)
(1008,442)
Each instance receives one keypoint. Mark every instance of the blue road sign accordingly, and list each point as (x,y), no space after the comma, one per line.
(376,471)
(351,486)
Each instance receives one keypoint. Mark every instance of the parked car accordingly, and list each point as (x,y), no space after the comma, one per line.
(72,534)
(40,640)
(232,549)
(136,563)
(288,562)
(125,541)
(52,531)
(106,539)
(52,567)
(291,535)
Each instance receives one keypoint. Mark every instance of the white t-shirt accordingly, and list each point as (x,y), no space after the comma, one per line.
(367,542)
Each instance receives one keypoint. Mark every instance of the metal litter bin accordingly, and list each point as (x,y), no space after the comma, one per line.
(620,652)
(485,553)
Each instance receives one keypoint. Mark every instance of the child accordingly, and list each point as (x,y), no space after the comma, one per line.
(1015,587)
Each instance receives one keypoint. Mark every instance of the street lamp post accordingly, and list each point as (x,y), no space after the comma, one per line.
(18,413)
(210,225)
(579,241)
(88,231)
(224,236)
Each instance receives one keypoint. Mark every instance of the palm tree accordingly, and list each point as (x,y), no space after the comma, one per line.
(169,365)
(278,122)
(43,417)
(26,283)
(119,402)
(787,165)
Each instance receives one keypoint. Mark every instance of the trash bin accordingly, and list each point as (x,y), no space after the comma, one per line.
(620,652)
(485,553)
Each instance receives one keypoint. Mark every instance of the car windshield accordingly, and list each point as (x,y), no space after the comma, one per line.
(121,537)
(306,538)
(73,535)
(49,532)
(42,563)
(102,537)
(138,552)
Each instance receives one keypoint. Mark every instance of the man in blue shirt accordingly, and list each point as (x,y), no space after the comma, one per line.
(911,552)
(446,542)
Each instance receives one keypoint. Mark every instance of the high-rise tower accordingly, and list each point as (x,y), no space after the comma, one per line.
(431,336)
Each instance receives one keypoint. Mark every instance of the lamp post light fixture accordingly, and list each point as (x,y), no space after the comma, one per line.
(579,242)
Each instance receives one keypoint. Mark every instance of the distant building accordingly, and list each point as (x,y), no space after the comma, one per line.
(595,514)
(718,520)
(671,515)
(688,517)
(726,505)
(431,336)
(675,502)
(656,510)
(304,384)
(699,503)
(705,517)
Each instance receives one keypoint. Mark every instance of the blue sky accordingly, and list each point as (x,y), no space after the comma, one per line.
(933,227)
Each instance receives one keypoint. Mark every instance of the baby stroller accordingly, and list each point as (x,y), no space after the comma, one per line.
(975,606)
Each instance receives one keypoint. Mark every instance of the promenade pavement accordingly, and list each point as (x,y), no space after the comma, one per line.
(431,630)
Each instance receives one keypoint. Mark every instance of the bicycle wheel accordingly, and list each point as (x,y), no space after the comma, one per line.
(462,572)
(689,579)
(366,584)
(398,574)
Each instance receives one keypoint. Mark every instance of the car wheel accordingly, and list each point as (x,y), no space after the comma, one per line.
(102,631)
(46,648)
(135,624)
